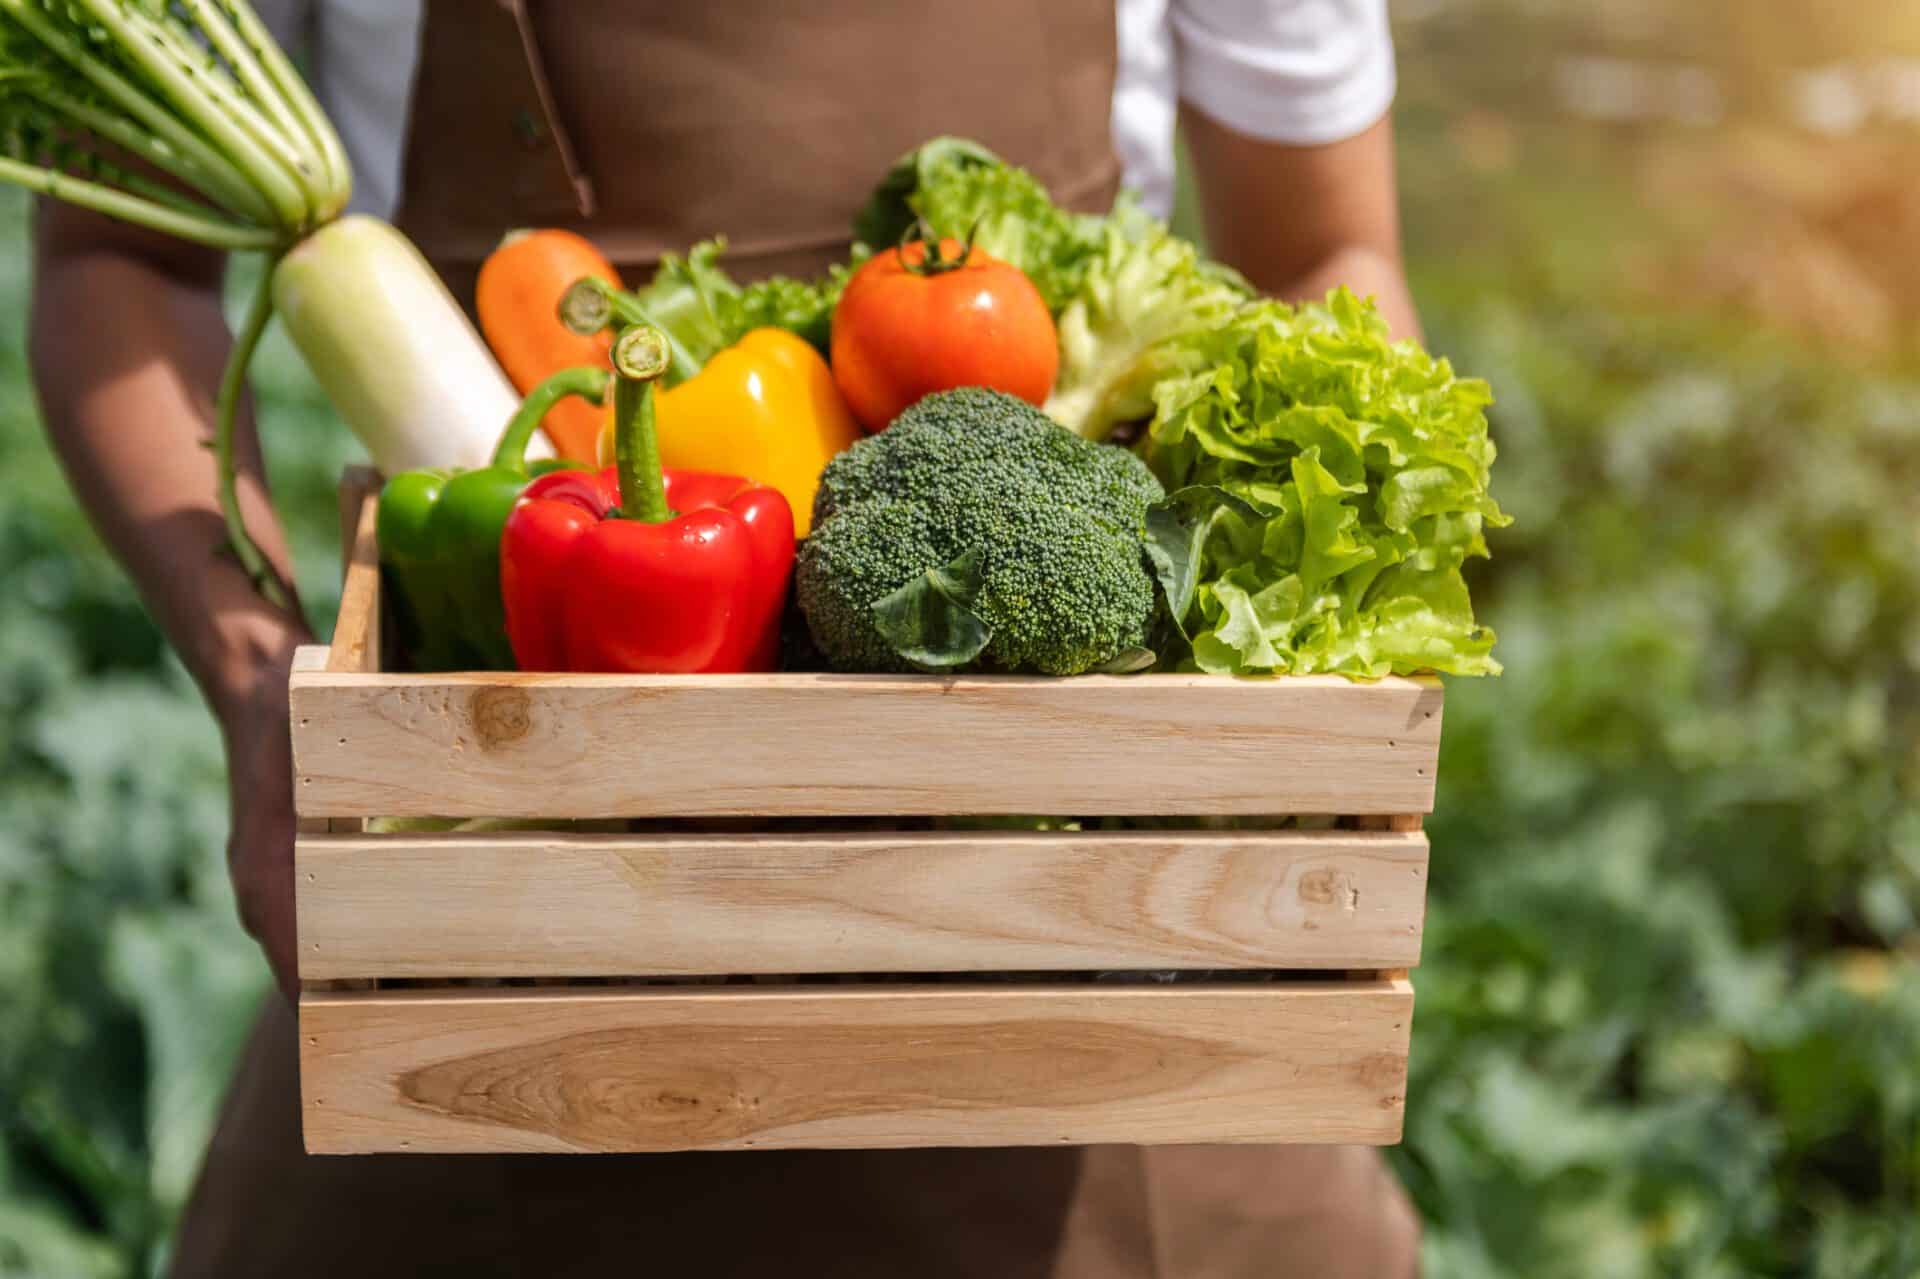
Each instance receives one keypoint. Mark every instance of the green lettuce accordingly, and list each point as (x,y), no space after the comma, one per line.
(962,190)
(1326,486)
(695,299)
(1143,290)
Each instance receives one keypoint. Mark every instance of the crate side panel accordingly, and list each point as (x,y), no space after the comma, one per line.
(558,1071)
(841,745)
(530,905)
(356,630)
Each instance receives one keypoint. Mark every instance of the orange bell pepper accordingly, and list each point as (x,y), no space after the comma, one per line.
(766,408)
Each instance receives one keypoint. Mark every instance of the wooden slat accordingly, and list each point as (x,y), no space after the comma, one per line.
(502,745)
(632,1070)
(356,631)
(538,905)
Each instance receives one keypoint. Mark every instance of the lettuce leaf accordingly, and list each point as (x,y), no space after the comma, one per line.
(961,189)
(1143,289)
(695,299)
(1327,484)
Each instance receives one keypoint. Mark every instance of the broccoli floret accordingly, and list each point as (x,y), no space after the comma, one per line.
(1056,522)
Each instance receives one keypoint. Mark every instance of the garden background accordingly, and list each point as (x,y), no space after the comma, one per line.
(1669,1018)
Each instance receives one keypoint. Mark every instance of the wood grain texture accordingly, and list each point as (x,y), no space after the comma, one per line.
(537,905)
(356,631)
(502,745)
(767,1067)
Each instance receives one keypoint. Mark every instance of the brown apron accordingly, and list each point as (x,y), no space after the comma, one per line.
(649,125)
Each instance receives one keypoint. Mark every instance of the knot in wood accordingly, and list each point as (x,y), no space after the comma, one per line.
(500,715)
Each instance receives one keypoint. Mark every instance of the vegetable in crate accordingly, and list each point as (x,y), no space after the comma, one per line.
(199,91)
(975,534)
(765,407)
(694,300)
(517,298)
(640,570)
(1120,286)
(439,534)
(1329,485)
(932,316)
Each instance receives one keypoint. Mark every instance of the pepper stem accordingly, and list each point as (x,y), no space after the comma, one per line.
(640,357)
(588,383)
(591,305)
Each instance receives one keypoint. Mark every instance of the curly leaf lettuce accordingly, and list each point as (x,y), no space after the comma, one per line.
(695,300)
(1327,484)
(961,189)
(1144,289)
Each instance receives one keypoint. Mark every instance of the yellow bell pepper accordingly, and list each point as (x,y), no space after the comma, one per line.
(765,408)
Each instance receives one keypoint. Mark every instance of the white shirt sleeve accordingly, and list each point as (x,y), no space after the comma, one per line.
(1303,72)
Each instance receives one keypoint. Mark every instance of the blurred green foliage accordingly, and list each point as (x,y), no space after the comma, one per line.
(1669,1015)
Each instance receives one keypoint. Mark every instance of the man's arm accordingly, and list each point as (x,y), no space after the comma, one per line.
(1299,220)
(127,342)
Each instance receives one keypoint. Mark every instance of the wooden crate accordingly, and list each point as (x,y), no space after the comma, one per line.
(801,958)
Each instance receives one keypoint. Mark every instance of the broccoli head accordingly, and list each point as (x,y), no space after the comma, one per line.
(975,533)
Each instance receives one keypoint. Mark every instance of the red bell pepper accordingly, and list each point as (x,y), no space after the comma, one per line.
(642,570)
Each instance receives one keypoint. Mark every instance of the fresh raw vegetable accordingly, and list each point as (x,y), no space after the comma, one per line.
(960,189)
(765,408)
(1334,481)
(934,315)
(439,534)
(1328,484)
(976,534)
(199,92)
(700,306)
(642,571)
(517,296)
(1145,288)
(391,348)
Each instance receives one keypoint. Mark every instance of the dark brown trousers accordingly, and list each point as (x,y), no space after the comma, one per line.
(264,1209)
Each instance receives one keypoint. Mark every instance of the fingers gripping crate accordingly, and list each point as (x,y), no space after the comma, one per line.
(857,978)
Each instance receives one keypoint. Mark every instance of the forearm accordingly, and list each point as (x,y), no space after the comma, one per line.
(1366,271)
(127,349)
(1301,221)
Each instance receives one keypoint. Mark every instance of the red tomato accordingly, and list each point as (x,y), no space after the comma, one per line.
(909,325)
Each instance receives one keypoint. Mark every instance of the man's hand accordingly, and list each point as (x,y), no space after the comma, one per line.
(127,347)
(260,840)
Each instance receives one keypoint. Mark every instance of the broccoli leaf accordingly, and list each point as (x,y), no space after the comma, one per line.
(930,621)
(1178,529)
(1128,662)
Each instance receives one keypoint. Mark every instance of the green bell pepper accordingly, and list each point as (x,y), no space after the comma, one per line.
(439,533)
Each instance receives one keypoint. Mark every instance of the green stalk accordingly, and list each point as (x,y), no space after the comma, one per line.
(588,383)
(258,85)
(285,195)
(228,190)
(297,95)
(639,358)
(591,305)
(260,570)
(73,160)
(163,42)
(137,104)
(134,209)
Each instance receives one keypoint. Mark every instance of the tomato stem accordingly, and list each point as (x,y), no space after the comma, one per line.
(934,259)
